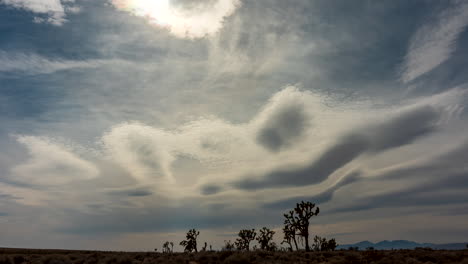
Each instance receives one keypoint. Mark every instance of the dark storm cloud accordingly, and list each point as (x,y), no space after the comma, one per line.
(423,195)
(283,128)
(399,131)
(320,198)
(139,192)
(439,179)
(404,129)
(210,189)
(443,181)
(332,159)
(165,219)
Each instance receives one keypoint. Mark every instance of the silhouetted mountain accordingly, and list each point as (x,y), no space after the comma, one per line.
(402,244)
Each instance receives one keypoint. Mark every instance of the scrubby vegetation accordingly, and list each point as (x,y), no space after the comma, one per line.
(17,256)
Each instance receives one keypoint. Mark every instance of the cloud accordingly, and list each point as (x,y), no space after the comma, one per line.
(284,127)
(135,192)
(32,64)
(434,42)
(321,198)
(210,189)
(51,164)
(49,11)
(182,18)
(406,127)
(141,150)
(439,180)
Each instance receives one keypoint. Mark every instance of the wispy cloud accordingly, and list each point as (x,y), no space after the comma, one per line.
(51,164)
(35,64)
(434,42)
(48,11)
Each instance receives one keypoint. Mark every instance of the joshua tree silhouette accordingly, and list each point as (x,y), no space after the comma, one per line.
(245,237)
(265,238)
(228,246)
(166,248)
(191,243)
(289,231)
(297,221)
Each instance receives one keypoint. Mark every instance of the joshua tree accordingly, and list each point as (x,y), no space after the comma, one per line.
(191,243)
(228,246)
(290,229)
(166,248)
(319,243)
(245,237)
(298,220)
(264,238)
(331,244)
(289,235)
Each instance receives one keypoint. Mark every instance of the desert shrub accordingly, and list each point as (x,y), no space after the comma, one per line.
(411,261)
(18,259)
(427,258)
(5,260)
(225,254)
(353,257)
(91,260)
(228,246)
(56,259)
(125,260)
(237,258)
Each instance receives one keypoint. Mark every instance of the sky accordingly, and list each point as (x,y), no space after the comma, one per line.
(125,123)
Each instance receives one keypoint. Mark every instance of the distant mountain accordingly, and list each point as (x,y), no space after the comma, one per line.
(402,244)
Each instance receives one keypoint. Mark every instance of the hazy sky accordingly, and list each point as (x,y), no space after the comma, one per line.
(124,123)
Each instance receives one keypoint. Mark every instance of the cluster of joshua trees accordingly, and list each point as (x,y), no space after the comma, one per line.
(295,231)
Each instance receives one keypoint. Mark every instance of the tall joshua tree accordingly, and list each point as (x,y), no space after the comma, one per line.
(298,220)
(245,237)
(191,243)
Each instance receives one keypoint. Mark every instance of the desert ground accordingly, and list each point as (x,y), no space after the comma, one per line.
(427,256)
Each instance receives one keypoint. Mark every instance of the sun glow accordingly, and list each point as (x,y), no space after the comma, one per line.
(185,19)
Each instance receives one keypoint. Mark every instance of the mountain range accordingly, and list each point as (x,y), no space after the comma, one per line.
(403,244)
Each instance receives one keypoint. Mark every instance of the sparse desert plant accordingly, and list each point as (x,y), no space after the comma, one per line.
(265,238)
(228,246)
(322,244)
(204,247)
(245,237)
(319,243)
(298,220)
(191,243)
